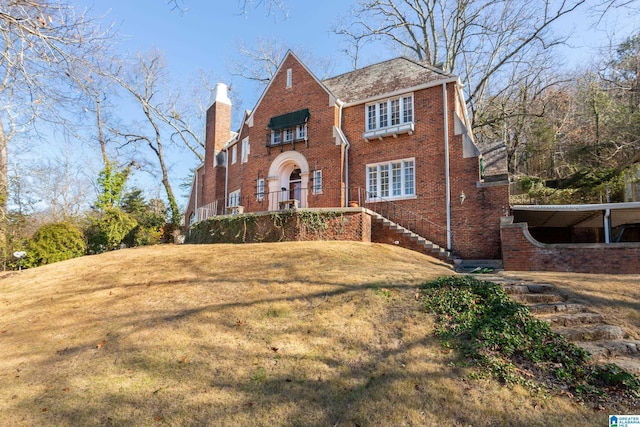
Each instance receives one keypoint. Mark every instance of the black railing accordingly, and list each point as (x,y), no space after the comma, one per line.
(394,211)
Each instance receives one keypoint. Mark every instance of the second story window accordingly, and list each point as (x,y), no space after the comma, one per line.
(301,132)
(234,154)
(287,128)
(288,135)
(391,116)
(276,137)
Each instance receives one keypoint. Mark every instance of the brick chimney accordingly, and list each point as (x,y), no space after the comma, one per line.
(217,133)
(218,128)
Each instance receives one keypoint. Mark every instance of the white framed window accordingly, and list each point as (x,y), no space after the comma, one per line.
(288,135)
(276,137)
(234,198)
(260,189)
(234,154)
(371,117)
(391,180)
(301,132)
(289,78)
(244,158)
(390,112)
(317,181)
(395,111)
(407,109)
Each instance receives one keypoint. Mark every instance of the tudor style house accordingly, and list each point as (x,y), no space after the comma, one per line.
(391,137)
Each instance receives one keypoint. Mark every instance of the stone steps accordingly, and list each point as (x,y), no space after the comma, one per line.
(567,308)
(624,353)
(575,321)
(594,332)
(531,298)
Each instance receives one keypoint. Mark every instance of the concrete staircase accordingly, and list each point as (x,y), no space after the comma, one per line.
(576,322)
(410,240)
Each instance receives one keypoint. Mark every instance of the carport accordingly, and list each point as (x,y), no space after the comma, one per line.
(596,220)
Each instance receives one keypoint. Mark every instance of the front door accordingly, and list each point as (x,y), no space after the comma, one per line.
(295,186)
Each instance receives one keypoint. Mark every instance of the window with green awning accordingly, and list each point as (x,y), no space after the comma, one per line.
(289,120)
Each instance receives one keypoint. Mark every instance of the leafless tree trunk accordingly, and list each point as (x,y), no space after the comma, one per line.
(40,43)
(147,83)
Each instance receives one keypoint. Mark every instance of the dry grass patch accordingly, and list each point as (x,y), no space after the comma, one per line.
(316,333)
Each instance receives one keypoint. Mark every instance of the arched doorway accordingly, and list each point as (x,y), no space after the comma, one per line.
(288,180)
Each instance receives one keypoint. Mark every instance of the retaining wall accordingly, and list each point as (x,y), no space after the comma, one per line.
(520,251)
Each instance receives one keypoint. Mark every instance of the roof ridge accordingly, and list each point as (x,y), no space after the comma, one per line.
(406,58)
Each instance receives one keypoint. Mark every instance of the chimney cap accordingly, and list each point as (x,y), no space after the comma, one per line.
(220,94)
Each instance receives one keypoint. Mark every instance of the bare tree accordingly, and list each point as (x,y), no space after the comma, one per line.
(482,41)
(147,82)
(259,63)
(273,7)
(40,43)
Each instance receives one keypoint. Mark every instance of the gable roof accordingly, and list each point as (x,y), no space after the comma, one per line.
(385,77)
(289,53)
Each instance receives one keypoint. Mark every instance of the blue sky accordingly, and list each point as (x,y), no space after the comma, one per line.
(206,36)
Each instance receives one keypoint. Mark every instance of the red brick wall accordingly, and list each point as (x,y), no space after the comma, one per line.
(521,252)
(475,223)
(321,153)
(353,225)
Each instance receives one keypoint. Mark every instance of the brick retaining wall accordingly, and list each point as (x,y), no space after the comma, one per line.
(520,251)
(304,225)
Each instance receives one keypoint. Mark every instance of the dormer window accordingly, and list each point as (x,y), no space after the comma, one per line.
(391,116)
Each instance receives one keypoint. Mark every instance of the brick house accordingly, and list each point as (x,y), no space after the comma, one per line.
(374,137)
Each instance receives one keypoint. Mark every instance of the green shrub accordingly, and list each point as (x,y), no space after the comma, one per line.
(502,337)
(108,230)
(53,243)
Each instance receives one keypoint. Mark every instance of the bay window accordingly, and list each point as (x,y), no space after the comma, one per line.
(391,116)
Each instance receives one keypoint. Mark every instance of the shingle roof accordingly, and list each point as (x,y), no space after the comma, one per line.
(384,77)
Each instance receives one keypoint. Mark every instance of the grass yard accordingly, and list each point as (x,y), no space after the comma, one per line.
(296,334)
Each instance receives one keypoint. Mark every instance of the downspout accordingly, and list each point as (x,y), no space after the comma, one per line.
(195,202)
(346,154)
(226,179)
(607,225)
(446,164)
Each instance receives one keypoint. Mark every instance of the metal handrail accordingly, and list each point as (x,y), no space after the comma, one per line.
(408,219)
